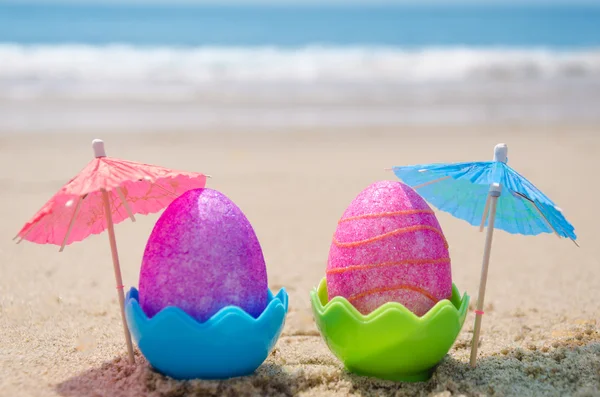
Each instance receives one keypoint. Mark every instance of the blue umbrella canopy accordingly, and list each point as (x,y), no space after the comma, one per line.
(461,189)
(478,190)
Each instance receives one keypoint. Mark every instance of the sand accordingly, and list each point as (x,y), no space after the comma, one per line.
(60,331)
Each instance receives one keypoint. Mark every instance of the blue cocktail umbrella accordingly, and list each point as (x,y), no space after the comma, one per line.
(492,193)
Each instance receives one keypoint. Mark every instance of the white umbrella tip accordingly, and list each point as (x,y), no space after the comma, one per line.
(98,146)
(501,152)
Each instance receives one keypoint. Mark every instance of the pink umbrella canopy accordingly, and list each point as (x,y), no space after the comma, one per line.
(77,209)
(105,192)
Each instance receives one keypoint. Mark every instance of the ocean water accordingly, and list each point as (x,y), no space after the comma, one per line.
(118,66)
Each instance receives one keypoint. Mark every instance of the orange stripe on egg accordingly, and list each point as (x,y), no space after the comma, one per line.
(394,288)
(388,234)
(387,264)
(386,214)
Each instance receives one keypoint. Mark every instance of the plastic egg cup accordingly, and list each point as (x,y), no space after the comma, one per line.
(231,343)
(391,342)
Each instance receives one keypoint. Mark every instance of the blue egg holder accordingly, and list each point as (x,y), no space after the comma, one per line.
(231,343)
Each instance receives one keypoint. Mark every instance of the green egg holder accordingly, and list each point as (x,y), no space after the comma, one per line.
(391,342)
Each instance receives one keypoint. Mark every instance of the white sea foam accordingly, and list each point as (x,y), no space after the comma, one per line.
(162,73)
(141,88)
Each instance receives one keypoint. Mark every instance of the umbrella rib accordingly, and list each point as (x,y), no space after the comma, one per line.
(21,238)
(125,203)
(165,190)
(552,227)
(540,212)
(486,211)
(431,182)
(71,223)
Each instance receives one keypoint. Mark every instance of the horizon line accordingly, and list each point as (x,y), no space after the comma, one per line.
(311,3)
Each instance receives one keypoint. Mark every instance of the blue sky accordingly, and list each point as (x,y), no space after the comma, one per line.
(310,2)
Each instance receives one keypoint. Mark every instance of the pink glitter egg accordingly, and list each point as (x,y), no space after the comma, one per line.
(389,247)
(203,255)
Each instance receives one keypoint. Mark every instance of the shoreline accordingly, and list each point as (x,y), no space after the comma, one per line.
(327,134)
(154,117)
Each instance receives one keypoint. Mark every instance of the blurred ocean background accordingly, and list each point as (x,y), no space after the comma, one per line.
(159,67)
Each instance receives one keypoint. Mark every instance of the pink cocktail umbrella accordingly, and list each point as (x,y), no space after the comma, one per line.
(105,192)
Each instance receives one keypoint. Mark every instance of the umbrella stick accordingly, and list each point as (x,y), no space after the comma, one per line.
(494,194)
(115,258)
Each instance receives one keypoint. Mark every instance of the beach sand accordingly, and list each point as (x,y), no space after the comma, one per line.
(60,330)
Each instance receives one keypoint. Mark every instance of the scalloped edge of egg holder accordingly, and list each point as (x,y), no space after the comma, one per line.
(391,342)
(231,343)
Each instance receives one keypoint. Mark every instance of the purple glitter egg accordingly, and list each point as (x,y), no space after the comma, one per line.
(203,255)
